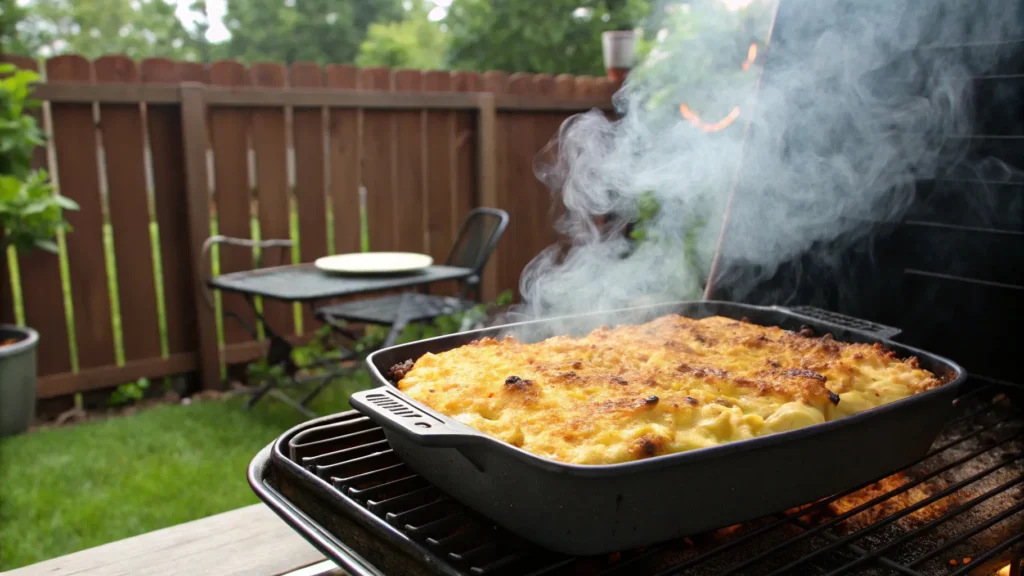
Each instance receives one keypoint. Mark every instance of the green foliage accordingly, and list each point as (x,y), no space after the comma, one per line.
(322,31)
(129,393)
(12,14)
(93,28)
(554,36)
(414,42)
(319,349)
(31,215)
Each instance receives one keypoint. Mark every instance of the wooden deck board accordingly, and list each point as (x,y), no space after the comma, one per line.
(251,541)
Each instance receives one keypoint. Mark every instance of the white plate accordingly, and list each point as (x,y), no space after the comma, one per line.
(374,262)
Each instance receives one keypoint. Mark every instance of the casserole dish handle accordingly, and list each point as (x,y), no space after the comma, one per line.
(819,315)
(399,415)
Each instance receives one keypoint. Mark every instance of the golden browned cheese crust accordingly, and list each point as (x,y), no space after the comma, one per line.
(670,385)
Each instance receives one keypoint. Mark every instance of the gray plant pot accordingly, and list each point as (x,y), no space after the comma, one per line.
(17,379)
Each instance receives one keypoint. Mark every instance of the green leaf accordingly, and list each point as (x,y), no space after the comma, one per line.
(48,245)
(65,203)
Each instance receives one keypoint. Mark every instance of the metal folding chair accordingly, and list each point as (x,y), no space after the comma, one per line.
(279,350)
(477,239)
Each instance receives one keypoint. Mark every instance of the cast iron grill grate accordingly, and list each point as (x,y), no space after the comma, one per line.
(964,500)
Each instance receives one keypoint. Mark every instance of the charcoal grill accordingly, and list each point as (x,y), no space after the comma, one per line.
(338,483)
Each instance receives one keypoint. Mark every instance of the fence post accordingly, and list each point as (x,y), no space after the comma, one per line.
(193,127)
(486,173)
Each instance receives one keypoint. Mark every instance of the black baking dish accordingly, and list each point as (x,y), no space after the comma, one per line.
(585,510)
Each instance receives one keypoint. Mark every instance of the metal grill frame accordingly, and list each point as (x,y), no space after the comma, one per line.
(320,512)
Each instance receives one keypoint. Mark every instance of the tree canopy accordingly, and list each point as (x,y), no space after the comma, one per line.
(135,28)
(414,42)
(322,31)
(552,36)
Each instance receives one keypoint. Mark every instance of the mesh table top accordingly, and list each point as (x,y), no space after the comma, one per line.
(305,282)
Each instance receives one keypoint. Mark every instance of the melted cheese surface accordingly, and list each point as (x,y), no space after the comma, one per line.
(670,385)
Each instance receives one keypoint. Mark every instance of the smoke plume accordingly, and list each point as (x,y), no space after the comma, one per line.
(848,104)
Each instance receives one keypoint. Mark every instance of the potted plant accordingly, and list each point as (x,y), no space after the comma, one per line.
(618,44)
(31,215)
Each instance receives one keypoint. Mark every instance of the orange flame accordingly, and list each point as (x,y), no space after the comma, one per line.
(692,117)
(751,56)
(1004,571)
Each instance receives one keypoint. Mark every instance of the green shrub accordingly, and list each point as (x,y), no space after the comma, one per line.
(31,214)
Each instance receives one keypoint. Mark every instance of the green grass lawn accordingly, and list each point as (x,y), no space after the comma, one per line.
(66,489)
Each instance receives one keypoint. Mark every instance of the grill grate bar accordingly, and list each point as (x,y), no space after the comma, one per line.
(968,534)
(928,526)
(991,553)
(821,504)
(861,552)
(893,517)
(874,501)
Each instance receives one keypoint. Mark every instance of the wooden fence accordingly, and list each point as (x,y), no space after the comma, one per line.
(159,153)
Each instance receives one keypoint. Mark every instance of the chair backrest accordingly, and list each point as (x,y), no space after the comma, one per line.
(477,239)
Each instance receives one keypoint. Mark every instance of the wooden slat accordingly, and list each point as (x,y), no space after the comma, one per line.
(107,376)
(124,147)
(493,150)
(519,191)
(250,541)
(565,88)
(466,194)
(310,183)
(71,92)
(311,97)
(442,192)
(377,164)
(229,140)
(410,207)
(171,206)
(586,87)
(269,142)
(344,128)
(545,127)
(194,130)
(74,138)
(42,296)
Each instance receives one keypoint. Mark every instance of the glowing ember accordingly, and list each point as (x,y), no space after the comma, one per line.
(1004,571)
(692,117)
(736,5)
(751,57)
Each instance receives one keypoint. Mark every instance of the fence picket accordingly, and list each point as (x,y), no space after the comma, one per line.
(344,168)
(74,139)
(310,185)
(168,166)
(229,141)
(377,160)
(42,295)
(497,82)
(441,191)
(465,195)
(410,148)
(520,192)
(269,142)
(124,147)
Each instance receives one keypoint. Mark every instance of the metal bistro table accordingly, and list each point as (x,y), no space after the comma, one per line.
(307,284)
